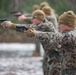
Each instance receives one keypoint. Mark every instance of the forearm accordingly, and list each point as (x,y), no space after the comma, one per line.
(28,20)
(40,34)
(19,27)
(13,26)
(51,36)
(51,40)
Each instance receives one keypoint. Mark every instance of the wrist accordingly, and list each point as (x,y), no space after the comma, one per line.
(13,26)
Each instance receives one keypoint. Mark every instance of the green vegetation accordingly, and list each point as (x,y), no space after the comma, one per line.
(60,6)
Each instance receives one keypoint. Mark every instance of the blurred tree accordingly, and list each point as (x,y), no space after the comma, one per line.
(16,4)
(7,6)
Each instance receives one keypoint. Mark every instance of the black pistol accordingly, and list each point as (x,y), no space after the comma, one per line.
(17,13)
(21,28)
(3,19)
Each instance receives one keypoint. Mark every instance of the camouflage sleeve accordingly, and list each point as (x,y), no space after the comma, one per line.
(20,27)
(53,19)
(69,38)
(68,53)
(48,26)
(50,37)
(55,40)
(28,19)
(28,15)
(52,28)
(55,37)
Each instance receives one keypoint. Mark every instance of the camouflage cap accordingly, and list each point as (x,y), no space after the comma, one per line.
(43,4)
(35,7)
(47,10)
(68,18)
(39,14)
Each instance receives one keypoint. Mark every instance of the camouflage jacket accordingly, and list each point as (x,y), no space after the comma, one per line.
(48,27)
(28,18)
(52,18)
(66,42)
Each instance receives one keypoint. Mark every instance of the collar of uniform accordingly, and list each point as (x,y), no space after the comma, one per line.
(44,20)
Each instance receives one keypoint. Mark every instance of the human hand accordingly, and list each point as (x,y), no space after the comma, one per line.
(30,32)
(6,24)
(21,18)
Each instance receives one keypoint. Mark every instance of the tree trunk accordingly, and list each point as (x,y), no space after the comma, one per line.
(16,3)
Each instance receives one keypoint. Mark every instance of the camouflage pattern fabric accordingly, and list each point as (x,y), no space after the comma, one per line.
(46,68)
(53,19)
(67,49)
(50,18)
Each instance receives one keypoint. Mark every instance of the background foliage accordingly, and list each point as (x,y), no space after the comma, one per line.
(6,6)
(26,5)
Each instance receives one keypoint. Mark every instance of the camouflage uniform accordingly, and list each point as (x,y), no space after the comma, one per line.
(54,54)
(53,19)
(44,26)
(28,20)
(64,42)
(67,49)
(50,16)
(48,27)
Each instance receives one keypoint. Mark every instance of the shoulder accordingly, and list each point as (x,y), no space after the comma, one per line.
(69,37)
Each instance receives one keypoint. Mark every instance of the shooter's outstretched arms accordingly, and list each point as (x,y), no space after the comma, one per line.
(3,19)
(17,27)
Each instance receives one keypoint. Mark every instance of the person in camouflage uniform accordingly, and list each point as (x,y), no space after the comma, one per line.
(42,25)
(50,15)
(65,41)
(39,22)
